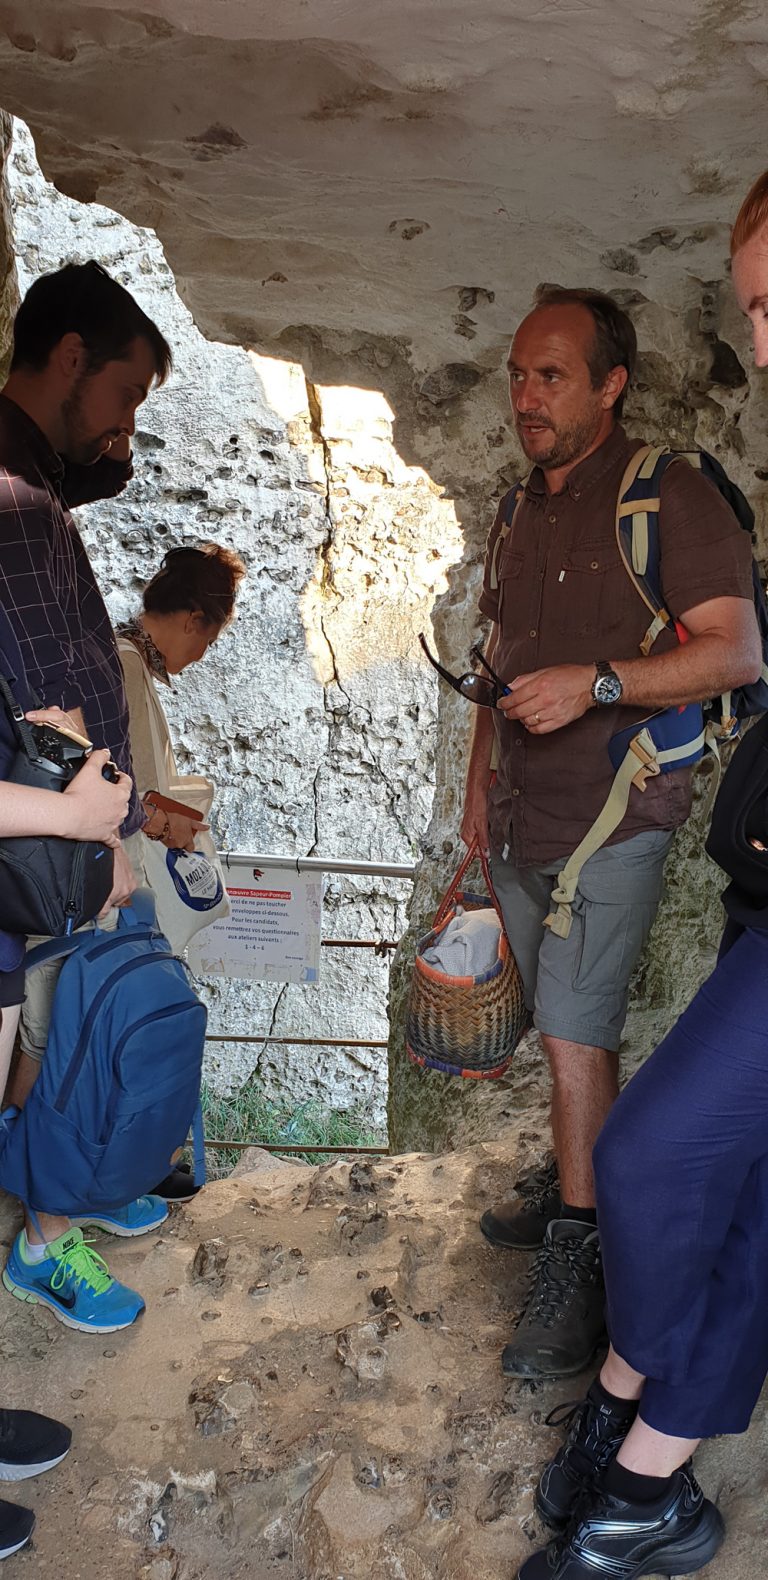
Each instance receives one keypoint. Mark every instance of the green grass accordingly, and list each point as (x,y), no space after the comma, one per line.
(248,1115)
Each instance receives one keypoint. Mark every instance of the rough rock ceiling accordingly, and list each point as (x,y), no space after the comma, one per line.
(409,169)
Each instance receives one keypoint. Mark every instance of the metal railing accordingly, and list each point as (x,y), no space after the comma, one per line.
(259,863)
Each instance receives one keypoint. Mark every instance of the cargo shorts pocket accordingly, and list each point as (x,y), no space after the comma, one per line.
(614,909)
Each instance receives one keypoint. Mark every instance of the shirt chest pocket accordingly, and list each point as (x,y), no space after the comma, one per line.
(509,571)
(591,590)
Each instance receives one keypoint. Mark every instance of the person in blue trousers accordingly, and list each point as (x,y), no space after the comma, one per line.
(682,1187)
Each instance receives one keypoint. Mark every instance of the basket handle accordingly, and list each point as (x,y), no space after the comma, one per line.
(455,884)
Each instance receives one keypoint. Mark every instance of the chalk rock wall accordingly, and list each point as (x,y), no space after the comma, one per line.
(391,314)
(314,713)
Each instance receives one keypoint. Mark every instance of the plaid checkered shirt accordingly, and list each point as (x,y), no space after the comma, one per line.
(48,589)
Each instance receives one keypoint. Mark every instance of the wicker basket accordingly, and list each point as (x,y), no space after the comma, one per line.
(468,1026)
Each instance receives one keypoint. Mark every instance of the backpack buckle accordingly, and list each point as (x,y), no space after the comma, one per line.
(648,768)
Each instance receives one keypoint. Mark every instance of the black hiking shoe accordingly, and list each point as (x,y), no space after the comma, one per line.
(522,1224)
(676,1535)
(596,1431)
(563,1323)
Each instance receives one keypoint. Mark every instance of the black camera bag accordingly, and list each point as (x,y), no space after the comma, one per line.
(48,886)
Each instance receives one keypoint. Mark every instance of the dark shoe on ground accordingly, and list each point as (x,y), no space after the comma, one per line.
(563,1323)
(596,1431)
(179,1185)
(520,1225)
(676,1535)
(16,1527)
(30,1443)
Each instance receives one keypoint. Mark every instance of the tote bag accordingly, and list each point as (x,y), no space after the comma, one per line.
(189,886)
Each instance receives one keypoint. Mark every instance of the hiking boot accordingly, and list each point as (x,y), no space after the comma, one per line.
(563,1322)
(30,1443)
(139,1217)
(596,1431)
(16,1527)
(74,1283)
(675,1535)
(522,1224)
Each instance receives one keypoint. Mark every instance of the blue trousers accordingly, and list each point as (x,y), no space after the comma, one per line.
(682,1190)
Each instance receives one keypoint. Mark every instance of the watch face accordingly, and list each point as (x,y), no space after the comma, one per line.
(607,688)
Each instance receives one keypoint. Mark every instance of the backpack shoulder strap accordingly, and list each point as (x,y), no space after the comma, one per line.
(139,916)
(637,532)
(57,948)
(510,505)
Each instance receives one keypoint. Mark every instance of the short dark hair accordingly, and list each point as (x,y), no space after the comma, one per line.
(83,299)
(614,344)
(203,580)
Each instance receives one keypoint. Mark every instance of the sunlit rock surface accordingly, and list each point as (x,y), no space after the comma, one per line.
(315,712)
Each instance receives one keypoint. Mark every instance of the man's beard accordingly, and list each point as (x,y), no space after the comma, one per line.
(567,444)
(79,444)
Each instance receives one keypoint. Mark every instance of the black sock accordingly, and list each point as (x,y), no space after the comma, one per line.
(630,1487)
(581,1214)
(600,1395)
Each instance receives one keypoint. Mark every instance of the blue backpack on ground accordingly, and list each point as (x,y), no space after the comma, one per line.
(119,1085)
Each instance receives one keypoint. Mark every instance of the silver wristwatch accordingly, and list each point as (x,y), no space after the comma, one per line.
(606,686)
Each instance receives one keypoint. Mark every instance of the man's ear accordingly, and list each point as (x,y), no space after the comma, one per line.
(71,355)
(617,380)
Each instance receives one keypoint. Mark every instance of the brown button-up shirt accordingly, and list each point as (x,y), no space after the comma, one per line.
(564,597)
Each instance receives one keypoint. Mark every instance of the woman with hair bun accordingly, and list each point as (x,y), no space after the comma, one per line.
(186,606)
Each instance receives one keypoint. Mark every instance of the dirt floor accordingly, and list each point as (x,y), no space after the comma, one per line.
(314,1391)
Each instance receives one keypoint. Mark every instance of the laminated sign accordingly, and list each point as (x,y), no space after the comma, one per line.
(272,933)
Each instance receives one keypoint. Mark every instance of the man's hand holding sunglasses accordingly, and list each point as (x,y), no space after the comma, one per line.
(548,699)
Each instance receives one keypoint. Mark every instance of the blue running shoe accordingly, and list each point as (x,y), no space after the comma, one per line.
(141,1215)
(74,1283)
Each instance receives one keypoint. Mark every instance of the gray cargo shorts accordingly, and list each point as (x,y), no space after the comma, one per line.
(577,987)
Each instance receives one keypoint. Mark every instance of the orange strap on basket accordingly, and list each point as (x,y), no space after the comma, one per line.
(473,853)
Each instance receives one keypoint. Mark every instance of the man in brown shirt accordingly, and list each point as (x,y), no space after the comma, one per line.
(565,612)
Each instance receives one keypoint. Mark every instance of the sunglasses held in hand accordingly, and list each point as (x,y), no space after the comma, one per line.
(476,688)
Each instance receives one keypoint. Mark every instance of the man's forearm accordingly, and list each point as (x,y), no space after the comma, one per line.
(26,811)
(705,666)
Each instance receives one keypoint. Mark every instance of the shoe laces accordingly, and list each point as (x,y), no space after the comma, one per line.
(592,1437)
(83,1266)
(558,1267)
(540,1186)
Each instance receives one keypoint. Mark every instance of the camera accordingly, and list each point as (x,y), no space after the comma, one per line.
(59,752)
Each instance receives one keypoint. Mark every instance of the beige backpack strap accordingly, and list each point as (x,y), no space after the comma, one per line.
(642,762)
(639,765)
(641,465)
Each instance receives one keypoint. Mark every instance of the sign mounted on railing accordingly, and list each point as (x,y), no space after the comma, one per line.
(272,933)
